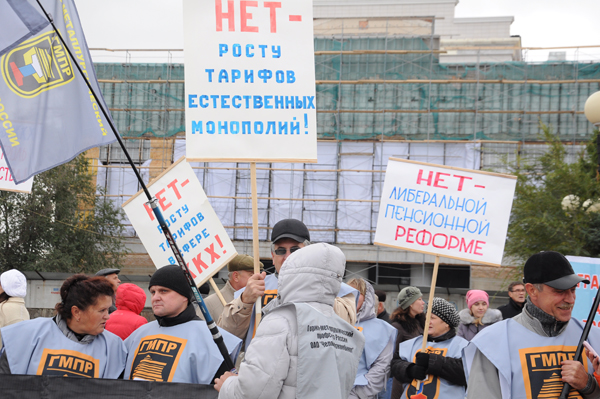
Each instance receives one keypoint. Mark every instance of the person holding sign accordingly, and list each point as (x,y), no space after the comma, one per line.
(301,348)
(533,352)
(437,373)
(240,269)
(380,336)
(177,346)
(71,344)
(288,235)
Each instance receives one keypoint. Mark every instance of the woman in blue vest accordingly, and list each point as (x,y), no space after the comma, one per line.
(73,343)
(380,336)
(437,373)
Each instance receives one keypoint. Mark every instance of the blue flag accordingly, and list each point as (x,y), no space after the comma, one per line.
(47,113)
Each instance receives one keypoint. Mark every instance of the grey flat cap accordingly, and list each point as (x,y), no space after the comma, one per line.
(106,272)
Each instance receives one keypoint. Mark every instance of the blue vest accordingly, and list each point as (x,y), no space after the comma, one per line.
(181,353)
(271,293)
(529,364)
(378,334)
(38,347)
(433,387)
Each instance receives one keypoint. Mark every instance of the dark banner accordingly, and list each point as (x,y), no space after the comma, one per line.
(35,387)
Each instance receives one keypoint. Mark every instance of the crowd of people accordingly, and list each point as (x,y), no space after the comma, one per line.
(318,337)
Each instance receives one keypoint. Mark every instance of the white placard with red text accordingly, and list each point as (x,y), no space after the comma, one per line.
(452,212)
(199,234)
(6,180)
(250,80)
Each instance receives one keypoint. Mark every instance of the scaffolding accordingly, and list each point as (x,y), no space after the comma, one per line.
(384,88)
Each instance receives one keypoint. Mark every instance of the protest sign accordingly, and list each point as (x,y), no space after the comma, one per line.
(249,81)
(439,210)
(6,179)
(589,268)
(204,244)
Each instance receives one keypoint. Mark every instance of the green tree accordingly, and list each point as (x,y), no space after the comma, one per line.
(62,226)
(538,220)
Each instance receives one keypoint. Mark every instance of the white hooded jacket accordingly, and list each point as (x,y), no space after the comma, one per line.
(272,368)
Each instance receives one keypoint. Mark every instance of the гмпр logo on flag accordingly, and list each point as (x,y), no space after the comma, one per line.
(37,65)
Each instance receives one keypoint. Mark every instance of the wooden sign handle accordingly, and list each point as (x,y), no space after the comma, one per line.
(255,243)
(429,306)
(217,291)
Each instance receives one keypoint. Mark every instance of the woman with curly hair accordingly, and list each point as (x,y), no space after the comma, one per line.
(73,343)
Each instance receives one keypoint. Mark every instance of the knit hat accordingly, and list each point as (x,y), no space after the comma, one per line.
(445,311)
(172,277)
(476,296)
(14,283)
(408,296)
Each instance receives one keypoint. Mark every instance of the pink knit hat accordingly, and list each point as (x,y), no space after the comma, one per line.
(475,296)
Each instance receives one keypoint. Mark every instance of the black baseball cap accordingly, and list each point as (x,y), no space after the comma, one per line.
(106,272)
(290,228)
(551,268)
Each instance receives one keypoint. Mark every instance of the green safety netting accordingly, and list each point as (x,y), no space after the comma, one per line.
(148,99)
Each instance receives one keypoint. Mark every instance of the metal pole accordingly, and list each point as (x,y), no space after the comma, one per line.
(586,331)
(217,337)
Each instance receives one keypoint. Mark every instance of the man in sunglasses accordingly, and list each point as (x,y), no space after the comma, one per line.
(288,236)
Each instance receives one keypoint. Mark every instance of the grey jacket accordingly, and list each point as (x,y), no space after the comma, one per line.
(467,329)
(269,370)
(484,381)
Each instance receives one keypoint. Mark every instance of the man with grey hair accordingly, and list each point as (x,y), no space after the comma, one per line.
(288,236)
(533,353)
(240,269)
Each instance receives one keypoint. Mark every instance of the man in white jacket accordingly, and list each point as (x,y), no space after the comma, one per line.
(302,349)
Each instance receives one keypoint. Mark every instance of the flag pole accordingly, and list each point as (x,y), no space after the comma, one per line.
(584,335)
(217,337)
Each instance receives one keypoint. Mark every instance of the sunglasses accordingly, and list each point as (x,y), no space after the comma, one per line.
(282,251)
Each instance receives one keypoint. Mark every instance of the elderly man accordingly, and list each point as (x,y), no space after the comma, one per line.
(516,300)
(177,346)
(531,355)
(240,269)
(289,235)
(301,349)
(112,275)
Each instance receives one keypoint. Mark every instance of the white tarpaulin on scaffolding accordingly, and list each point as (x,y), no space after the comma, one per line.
(341,221)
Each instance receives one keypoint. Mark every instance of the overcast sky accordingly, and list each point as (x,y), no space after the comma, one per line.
(157,24)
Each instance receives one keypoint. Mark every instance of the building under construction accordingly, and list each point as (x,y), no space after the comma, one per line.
(399,79)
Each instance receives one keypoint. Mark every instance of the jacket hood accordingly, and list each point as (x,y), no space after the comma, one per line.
(491,316)
(367,310)
(312,274)
(130,297)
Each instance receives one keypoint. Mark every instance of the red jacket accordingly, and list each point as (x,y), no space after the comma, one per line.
(130,303)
